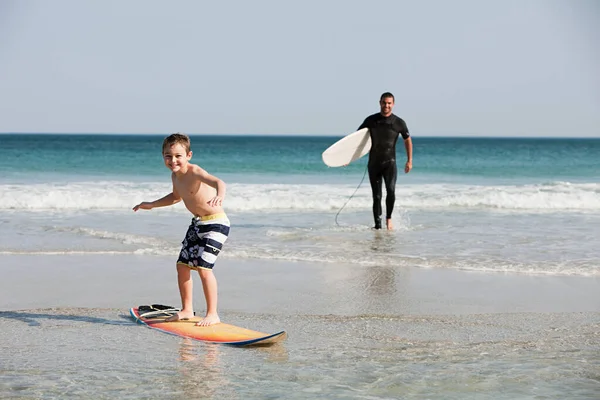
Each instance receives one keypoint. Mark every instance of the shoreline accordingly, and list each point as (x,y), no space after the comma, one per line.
(284,287)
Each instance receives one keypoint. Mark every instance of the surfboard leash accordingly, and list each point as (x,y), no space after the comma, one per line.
(351,196)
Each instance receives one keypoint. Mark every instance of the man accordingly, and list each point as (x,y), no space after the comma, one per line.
(384,128)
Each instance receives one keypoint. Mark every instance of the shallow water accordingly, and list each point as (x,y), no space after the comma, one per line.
(530,206)
(488,287)
(103,354)
(557,243)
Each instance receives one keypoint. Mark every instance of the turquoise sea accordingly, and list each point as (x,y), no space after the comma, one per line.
(486,289)
(529,206)
(469,160)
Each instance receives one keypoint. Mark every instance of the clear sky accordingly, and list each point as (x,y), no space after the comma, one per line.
(461,67)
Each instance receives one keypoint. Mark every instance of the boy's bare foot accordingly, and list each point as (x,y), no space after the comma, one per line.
(389,224)
(210,319)
(180,316)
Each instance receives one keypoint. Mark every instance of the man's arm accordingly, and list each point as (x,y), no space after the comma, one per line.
(408,147)
(365,124)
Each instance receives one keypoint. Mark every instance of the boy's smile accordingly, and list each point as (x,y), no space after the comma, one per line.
(176,158)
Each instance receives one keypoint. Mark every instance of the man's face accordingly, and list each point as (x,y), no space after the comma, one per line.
(387,103)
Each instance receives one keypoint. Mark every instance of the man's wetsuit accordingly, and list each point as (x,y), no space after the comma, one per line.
(382,159)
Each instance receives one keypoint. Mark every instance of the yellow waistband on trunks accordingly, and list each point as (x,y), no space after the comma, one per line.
(211,217)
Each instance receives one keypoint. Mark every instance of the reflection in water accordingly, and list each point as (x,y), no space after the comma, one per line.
(201,376)
(203,372)
(276,353)
(384,242)
(381,280)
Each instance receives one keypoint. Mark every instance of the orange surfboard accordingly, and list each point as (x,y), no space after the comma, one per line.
(154,317)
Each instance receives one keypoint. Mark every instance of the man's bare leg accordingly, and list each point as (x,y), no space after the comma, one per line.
(209,285)
(389,224)
(186,286)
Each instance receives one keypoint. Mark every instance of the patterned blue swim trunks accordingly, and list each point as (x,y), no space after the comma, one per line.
(203,241)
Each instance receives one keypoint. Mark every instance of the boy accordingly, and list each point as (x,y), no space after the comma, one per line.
(209,228)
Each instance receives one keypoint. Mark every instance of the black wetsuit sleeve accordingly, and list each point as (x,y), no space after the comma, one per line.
(365,124)
(402,128)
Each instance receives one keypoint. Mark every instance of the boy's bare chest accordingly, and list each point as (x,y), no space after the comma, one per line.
(188,188)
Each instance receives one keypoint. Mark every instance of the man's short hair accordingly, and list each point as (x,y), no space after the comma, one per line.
(386,95)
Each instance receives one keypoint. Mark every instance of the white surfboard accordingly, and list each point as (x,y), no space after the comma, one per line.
(348,149)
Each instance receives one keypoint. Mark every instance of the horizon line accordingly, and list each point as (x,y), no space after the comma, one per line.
(458,136)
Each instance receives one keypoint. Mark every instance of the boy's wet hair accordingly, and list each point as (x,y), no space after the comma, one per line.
(177,138)
(386,95)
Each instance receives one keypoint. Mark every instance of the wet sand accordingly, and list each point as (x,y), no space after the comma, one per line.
(278,287)
(353,332)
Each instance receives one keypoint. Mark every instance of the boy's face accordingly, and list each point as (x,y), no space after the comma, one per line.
(176,158)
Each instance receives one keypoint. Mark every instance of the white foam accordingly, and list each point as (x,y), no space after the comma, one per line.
(547,196)
(62,252)
(110,195)
(123,238)
(334,254)
(406,260)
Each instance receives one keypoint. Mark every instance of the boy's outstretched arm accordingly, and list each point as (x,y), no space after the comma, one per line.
(168,200)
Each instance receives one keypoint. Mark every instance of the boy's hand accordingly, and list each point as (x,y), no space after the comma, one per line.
(215,201)
(143,205)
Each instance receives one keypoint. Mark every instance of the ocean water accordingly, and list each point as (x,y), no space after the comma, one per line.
(479,215)
(529,206)
(99,354)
